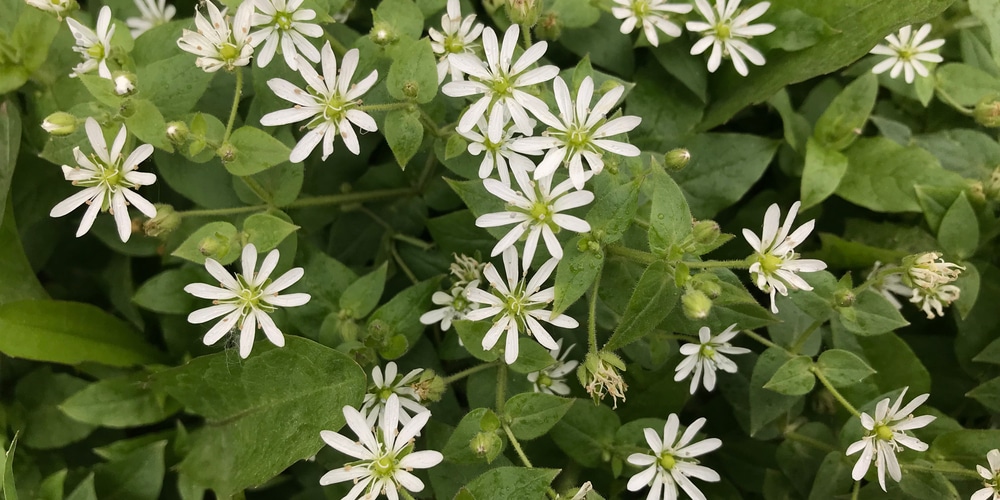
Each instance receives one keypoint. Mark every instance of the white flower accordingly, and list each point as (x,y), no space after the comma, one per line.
(933,300)
(672,462)
(465,270)
(57,7)
(500,80)
(284,22)
(245,301)
(776,262)
(580,132)
(94,46)
(535,210)
(330,104)
(724,30)
(551,380)
(123,85)
(221,43)
(707,356)
(516,306)
(497,141)
(907,53)
(652,15)
(152,13)
(381,388)
(108,180)
(385,458)
(884,435)
(991,490)
(455,306)
(459,37)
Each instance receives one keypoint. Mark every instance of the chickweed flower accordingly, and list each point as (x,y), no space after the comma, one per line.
(886,434)
(284,22)
(458,35)
(455,306)
(221,42)
(152,13)
(580,133)
(652,15)
(245,300)
(393,383)
(672,463)
(496,141)
(724,32)
(330,104)
(537,211)
(991,477)
(552,379)
(933,300)
(707,356)
(57,7)
(600,375)
(109,181)
(93,45)
(517,305)
(776,263)
(928,269)
(500,80)
(465,270)
(907,52)
(385,455)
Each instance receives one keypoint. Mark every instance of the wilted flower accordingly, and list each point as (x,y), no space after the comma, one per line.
(907,53)
(152,13)
(932,300)
(724,31)
(599,375)
(465,270)
(652,15)
(284,22)
(221,42)
(886,434)
(459,37)
(673,462)
(708,355)
(928,270)
(94,46)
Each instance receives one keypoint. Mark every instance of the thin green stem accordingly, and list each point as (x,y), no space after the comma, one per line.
(943,470)
(338,48)
(526,36)
(402,265)
(312,201)
(641,223)
(517,446)
(425,174)
(731,264)
(592,317)
(389,106)
(855,490)
(405,494)
(421,244)
(762,340)
(455,377)
(221,212)
(804,336)
(833,390)
(236,104)
(255,187)
(815,443)
(501,386)
(878,278)
(949,100)
(429,124)
(632,254)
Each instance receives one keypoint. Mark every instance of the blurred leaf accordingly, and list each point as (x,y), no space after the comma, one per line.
(7,486)
(41,391)
(222,237)
(723,168)
(404,133)
(965,84)
(822,173)
(256,151)
(959,230)
(119,402)
(669,215)
(871,314)
(136,476)
(413,74)
(266,231)
(361,297)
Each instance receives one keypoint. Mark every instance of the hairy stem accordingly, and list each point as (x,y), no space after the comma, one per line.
(517,446)
(390,106)
(236,104)
(450,379)
(312,201)
(833,390)
(804,336)
(501,386)
(731,264)
(632,254)
(592,317)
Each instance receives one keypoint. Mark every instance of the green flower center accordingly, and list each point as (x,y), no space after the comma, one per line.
(640,8)
(96,51)
(335,108)
(667,461)
(723,31)
(384,393)
(502,86)
(283,20)
(906,54)
(541,212)
(578,137)
(229,52)
(770,263)
(460,304)
(384,466)
(514,304)
(249,297)
(544,380)
(707,351)
(883,432)
(454,44)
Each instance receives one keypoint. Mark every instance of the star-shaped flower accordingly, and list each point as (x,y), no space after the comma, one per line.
(672,462)
(284,22)
(907,53)
(330,103)
(152,13)
(991,477)
(724,31)
(495,140)
(775,264)
(886,434)
(221,42)
(652,15)
(708,355)
(455,306)
(109,181)
(245,300)
(93,45)
(552,379)
(383,387)
(457,36)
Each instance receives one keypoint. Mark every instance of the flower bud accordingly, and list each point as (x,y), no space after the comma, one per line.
(844,297)
(383,34)
(127,108)
(411,89)
(708,284)
(166,220)
(177,132)
(215,246)
(696,304)
(549,27)
(677,159)
(987,111)
(992,185)
(226,152)
(378,331)
(124,83)
(706,232)
(349,329)
(523,12)
(487,445)
(429,387)
(60,123)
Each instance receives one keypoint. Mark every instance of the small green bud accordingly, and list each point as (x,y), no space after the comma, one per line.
(215,246)
(708,284)
(706,232)
(992,185)
(523,12)
(549,27)
(486,445)
(166,220)
(489,422)
(378,331)
(976,192)
(987,111)
(60,123)
(844,298)
(383,34)
(429,387)
(677,159)
(411,89)
(226,152)
(177,132)
(696,304)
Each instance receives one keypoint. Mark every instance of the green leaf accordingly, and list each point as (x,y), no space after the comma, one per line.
(472,333)
(796,128)
(575,273)
(17,278)
(457,449)
(989,13)
(967,446)
(70,333)
(801,461)
(256,151)
(532,414)
(959,230)
(843,368)
(147,124)
(572,14)
(242,401)
(965,84)
(822,173)
(266,231)
(84,490)
(676,59)
(10,143)
(361,297)
(793,378)
(613,212)
(832,479)
(164,293)
(136,476)
(767,405)
(511,483)
(723,168)
(119,402)
(174,84)
(586,432)
(871,314)
(404,133)
(480,201)
(796,30)
(402,313)
(402,16)
(881,175)
(840,124)
(40,392)
(52,486)
(413,73)
(988,394)
(102,89)
(667,111)
(669,215)
(7,486)
(924,485)
(859,25)
(220,235)
(655,295)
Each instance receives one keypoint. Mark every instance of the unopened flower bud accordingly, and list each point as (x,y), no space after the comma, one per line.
(226,152)
(429,387)
(349,329)
(166,220)
(992,185)
(708,284)
(706,232)
(215,246)
(696,304)
(677,159)
(599,375)
(976,192)
(487,445)
(523,12)
(844,298)
(124,83)
(378,331)
(177,132)
(383,34)
(987,111)
(549,27)
(411,89)
(60,123)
